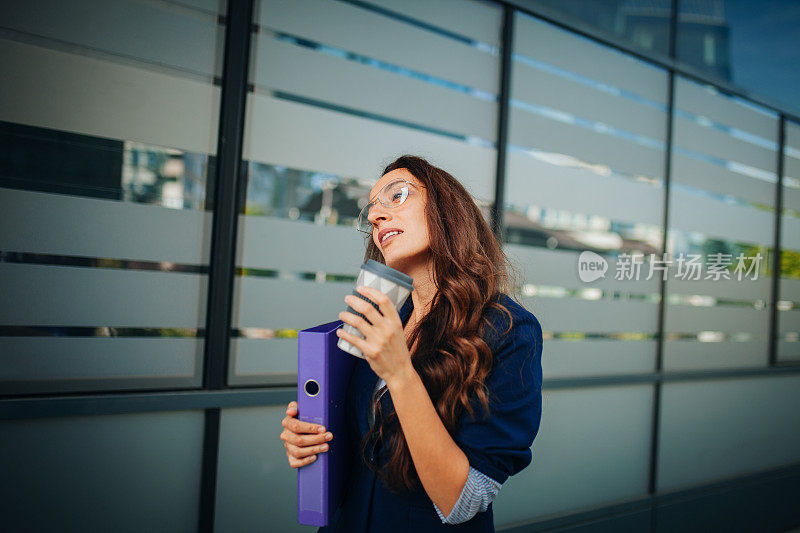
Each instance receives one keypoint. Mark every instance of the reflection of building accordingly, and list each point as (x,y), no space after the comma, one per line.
(705,38)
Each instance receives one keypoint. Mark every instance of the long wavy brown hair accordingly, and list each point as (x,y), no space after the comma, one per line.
(470,270)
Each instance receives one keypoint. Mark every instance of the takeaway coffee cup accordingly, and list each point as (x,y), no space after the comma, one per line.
(393,283)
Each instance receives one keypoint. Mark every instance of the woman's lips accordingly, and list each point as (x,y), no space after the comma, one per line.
(389,238)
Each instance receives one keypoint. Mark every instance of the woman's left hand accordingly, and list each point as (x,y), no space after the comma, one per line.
(384,346)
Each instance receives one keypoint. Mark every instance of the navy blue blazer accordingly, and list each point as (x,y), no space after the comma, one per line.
(498,446)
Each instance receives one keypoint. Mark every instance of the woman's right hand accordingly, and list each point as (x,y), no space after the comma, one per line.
(303,440)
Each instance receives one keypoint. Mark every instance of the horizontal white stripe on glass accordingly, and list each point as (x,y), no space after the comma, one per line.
(478,20)
(43,295)
(534,182)
(60,224)
(690,212)
(57,90)
(718,429)
(790,230)
(559,268)
(726,319)
(69,358)
(300,136)
(265,357)
(542,41)
(154,32)
(544,133)
(371,34)
(746,289)
(277,303)
(594,316)
(683,355)
(703,101)
(596,357)
(720,145)
(281,244)
(715,178)
(557,92)
(283,66)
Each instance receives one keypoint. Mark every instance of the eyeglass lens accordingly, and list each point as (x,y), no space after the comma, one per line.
(393,195)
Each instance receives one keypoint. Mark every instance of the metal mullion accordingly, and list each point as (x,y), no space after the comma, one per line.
(502,121)
(233,98)
(776,248)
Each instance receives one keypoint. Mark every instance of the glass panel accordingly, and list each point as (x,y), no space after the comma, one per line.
(713,430)
(593,448)
(107,145)
(100,473)
(585,180)
(788,333)
(722,219)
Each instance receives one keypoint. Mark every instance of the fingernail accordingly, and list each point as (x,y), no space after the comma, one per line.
(313,458)
(328,436)
(321,429)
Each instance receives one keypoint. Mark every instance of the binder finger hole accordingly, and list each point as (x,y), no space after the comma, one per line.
(311,387)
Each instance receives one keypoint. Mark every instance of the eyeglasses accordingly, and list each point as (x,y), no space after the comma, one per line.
(391,196)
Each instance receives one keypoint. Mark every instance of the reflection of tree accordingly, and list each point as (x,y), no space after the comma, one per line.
(333,202)
(790,264)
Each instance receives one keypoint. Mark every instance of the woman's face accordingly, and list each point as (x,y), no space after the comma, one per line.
(411,246)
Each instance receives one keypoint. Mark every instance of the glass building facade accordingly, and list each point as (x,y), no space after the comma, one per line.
(178,186)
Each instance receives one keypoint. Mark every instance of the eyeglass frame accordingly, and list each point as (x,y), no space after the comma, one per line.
(370,203)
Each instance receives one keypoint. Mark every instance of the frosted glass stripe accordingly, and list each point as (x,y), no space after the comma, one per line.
(792,135)
(544,42)
(594,316)
(47,223)
(715,178)
(149,31)
(80,357)
(596,357)
(789,321)
(277,303)
(531,181)
(559,268)
(359,30)
(791,169)
(788,351)
(746,289)
(52,89)
(790,289)
(305,137)
(259,357)
(590,103)
(702,101)
(790,232)
(592,448)
(716,429)
(478,20)
(715,218)
(729,319)
(683,355)
(297,70)
(298,246)
(43,295)
(542,133)
(691,135)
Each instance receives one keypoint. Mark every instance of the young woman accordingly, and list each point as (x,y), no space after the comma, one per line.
(447,402)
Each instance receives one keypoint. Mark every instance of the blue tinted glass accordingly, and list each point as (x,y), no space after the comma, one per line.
(644,24)
(753,45)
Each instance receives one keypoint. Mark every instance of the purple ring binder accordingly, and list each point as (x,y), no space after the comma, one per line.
(323,375)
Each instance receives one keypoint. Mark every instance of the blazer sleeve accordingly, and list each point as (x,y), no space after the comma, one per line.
(499,445)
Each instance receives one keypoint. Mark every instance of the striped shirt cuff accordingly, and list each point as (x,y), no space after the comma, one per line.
(475,497)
